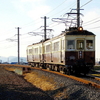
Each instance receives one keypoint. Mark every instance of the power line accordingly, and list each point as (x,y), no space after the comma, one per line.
(57,6)
(8,46)
(85,3)
(46,13)
(65,9)
(56,13)
(92,22)
(94,27)
(53,10)
(51,24)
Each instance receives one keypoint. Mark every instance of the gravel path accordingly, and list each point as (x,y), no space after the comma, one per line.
(68,89)
(14,87)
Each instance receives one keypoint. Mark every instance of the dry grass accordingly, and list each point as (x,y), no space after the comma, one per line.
(36,79)
(9,69)
(42,82)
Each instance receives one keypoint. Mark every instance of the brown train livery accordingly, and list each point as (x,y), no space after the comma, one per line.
(70,52)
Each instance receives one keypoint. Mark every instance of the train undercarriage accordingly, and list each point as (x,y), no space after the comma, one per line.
(76,68)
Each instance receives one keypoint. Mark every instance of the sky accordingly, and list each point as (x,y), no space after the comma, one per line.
(29,16)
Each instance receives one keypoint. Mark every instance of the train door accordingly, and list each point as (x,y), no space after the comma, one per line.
(62,51)
(80,48)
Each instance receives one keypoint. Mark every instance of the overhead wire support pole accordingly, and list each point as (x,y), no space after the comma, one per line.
(78,13)
(45,27)
(18,46)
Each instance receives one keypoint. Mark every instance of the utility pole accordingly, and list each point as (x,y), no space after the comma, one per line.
(18,46)
(78,13)
(45,27)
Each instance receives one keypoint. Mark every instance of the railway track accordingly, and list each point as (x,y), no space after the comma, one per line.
(89,80)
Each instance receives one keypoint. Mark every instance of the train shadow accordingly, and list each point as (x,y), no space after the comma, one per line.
(15,92)
(67,93)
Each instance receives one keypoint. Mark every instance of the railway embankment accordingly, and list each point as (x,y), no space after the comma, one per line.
(15,87)
(56,86)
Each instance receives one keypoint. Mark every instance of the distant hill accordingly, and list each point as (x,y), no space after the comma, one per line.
(12,59)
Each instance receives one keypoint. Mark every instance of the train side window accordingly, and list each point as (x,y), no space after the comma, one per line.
(48,48)
(30,51)
(63,46)
(89,44)
(70,44)
(56,46)
(40,49)
(36,50)
(80,44)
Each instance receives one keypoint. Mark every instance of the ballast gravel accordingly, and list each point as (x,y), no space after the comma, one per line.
(15,87)
(68,89)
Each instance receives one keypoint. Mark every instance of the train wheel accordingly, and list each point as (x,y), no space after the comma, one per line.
(47,66)
(40,65)
(37,65)
(61,70)
(56,68)
(32,64)
(50,67)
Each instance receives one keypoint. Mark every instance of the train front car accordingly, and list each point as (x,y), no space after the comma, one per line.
(80,51)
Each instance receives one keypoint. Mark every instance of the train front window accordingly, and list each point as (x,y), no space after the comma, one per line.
(80,44)
(71,44)
(89,44)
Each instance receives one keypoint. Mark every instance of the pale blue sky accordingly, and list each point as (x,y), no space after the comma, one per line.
(27,14)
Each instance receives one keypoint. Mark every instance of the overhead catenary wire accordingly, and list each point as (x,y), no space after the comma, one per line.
(55,14)
(36,20)
(47,13)
(8,46)
(62,10)
(50,11)
(85,4)
(94,27)
(92,20)
(57,6)
(54,10)
(51,24)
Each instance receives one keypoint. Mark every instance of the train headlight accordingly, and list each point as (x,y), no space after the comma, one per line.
(80,28)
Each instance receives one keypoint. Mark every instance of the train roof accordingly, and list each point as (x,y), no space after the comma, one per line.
(77,32)
(73,32)
(38,42)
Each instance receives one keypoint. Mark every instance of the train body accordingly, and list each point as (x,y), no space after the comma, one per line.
(70,52)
